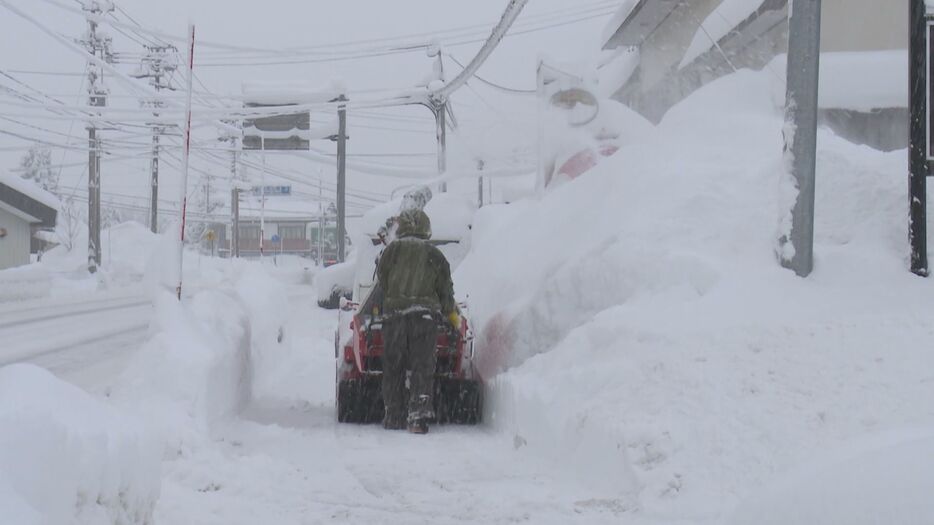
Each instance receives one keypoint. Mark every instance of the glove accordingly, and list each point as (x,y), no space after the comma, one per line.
(455,319)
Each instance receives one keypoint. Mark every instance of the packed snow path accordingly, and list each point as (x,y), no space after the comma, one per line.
(289,461)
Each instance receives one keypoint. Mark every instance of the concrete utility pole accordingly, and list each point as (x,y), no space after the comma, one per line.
(156,65)
(480,183)
(99,46)
(235,222)
(234,140)
(341,176)
(919,150)
(797,247)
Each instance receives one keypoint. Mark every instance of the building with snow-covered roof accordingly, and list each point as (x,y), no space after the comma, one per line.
(682,46)
(289,226)
(24,210)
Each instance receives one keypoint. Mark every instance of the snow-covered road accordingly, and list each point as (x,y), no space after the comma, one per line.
(80,340)
(288,461)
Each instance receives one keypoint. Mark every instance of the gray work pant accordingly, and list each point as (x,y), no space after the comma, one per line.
(410,346)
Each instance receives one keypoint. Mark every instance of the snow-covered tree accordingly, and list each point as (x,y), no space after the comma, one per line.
(36,165)
(71,220)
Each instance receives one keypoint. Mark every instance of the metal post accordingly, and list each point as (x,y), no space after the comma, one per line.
(440,112)
(154,183)
(917,151)
(262,200)
(480,183)
(320,217)
(341,176)
(797,248)
(94,199)
(235,223)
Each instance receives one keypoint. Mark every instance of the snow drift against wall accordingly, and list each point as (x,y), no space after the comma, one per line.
(638,320)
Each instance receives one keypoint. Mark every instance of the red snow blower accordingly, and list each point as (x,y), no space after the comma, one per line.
(358,351)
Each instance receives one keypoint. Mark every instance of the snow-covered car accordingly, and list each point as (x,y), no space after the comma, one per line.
(333,283)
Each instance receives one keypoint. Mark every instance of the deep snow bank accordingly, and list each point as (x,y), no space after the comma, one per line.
(646,328)
(208,353)
(847,488)
(66,457)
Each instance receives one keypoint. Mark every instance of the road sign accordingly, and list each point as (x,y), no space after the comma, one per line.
(210,235)
(275,238)
(271,191)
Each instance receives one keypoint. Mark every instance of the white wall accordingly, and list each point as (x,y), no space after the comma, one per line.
(14,248)
(864,25)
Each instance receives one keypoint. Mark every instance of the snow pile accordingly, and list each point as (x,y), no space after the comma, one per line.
(847,488)
(195,369)
(126,252)
(66,457)
(198,367)
(640,324)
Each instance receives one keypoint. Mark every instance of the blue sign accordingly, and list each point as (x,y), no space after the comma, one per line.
(273,191)
(275,238)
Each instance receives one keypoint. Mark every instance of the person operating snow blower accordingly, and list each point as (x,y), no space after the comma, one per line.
(417,290)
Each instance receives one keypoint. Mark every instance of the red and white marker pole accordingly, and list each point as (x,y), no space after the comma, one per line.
(185,155)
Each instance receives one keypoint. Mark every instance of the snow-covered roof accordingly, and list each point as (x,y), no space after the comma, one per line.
(278,93)
(30,190)
(288,208)
(28,201)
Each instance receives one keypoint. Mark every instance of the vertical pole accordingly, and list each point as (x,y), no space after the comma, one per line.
(154,183)
(540,180)
(441,135)
(480,183)
(320,217)
(341,177)
(96,46)
(235,223)
(94,198)
(262,199)
(185,157)
(917,150)
(797,247)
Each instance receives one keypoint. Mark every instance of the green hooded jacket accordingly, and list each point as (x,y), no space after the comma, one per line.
(412,273)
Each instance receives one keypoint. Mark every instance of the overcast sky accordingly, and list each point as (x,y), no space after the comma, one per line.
(493,123)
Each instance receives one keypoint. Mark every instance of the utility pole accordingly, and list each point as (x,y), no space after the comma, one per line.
(235,222)
(919,149)
(98,45)
(341,178)
(438,107)
(320,217)
(480,183)
(341,175)
(156,65)
(796,250)
(441,135)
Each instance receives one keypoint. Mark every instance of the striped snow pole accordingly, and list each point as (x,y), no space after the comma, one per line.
(185,155)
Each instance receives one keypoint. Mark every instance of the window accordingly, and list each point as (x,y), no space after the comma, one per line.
(249,232)
(290,232)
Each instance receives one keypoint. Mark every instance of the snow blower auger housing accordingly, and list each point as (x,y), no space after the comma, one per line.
(358,351)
